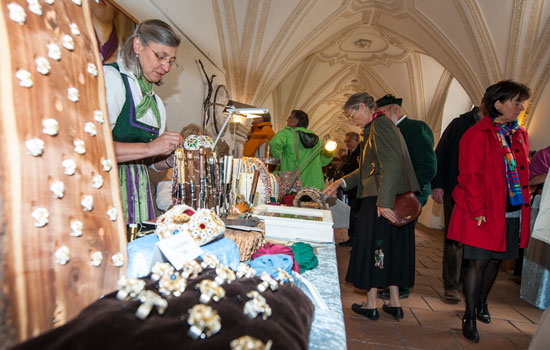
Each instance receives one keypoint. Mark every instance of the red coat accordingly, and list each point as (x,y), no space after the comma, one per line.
(481,189)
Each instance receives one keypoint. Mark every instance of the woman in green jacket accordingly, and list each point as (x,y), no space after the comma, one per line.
(283,147)
(382,254)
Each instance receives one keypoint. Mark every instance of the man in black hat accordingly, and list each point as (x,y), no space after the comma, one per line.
(420,143)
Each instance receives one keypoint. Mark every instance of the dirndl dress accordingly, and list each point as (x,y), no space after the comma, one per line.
(135,187)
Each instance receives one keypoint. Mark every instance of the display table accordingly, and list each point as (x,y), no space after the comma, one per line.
(327,330)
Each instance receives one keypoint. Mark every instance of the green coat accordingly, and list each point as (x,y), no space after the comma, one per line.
(420,143)
(390,153)
(282,147)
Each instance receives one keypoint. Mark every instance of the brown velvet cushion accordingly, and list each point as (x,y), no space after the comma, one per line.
(112,324)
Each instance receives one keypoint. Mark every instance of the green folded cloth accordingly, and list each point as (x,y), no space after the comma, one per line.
(304,255)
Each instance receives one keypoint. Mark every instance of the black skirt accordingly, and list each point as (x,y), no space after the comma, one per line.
(512,245)
(382,254)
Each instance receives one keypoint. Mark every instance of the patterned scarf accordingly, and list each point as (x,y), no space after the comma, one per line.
(148,101)
(510,166)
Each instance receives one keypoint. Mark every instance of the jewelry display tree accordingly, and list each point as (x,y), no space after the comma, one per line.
(62,232)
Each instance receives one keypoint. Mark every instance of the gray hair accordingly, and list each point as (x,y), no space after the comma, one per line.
(150,31)
(358,98)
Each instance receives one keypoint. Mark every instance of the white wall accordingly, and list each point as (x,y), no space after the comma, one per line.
(457,103)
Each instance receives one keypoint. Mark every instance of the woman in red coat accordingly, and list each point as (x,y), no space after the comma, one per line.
(491,196)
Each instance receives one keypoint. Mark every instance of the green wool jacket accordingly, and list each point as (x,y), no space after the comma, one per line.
(420,143)
(392,163)
(282,147)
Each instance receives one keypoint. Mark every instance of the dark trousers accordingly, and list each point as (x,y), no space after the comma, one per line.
(452,250)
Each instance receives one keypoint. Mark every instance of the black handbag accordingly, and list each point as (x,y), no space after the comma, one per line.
(406,206)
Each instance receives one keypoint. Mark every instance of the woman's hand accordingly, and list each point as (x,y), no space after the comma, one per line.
(480,219)
(387,213)
(165,143)
(332,188)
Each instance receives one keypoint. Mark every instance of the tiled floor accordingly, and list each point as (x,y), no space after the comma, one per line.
(429,323)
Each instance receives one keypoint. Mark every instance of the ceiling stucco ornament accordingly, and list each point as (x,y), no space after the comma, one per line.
(366,45)
(362,43)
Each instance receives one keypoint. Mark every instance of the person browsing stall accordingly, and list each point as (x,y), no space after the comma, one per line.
(491,196)
(420,143)
(137,115)
(382,254)
(260,134)
(284,144)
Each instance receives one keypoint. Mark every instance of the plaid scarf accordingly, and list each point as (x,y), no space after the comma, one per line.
(510,166)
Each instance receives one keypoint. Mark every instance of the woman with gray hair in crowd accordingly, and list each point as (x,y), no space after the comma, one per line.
(137,115)
(382,254)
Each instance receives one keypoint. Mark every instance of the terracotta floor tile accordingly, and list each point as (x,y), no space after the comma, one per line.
(486,342)
(358,345)
(428,272)
(429,263)
(526,328)
(426,338)
(498,327)
(437,304)
(521,342)
(437,319)
(529,311)
(415,301)
(425,291)
(427,280)
(375,332)
(506,312)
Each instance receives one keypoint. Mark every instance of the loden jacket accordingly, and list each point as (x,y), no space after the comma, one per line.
(392,164)
(420,144)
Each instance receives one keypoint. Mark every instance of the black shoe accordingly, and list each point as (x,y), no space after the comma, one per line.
(483,314)
(347,243)
(403,293)
(371,314)
(395,311)
(469,330)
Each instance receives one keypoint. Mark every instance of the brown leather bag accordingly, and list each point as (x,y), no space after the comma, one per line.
(406,207)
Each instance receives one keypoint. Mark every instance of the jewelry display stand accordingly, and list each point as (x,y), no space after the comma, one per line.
(62,242)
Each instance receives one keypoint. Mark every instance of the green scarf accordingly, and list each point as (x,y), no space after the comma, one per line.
(148,100)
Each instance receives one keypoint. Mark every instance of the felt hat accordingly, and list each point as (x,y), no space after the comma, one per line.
(389,99)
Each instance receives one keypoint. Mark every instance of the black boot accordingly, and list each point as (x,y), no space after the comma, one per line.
(469,329)
(483,313)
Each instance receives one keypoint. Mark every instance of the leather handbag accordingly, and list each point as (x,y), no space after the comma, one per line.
(406,206)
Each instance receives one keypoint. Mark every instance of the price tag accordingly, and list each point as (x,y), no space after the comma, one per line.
(177,249)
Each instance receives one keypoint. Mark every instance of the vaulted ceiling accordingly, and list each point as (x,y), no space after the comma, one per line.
(439,56)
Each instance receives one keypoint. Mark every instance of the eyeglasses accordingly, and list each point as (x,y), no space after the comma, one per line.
(165,59)
(351,115)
